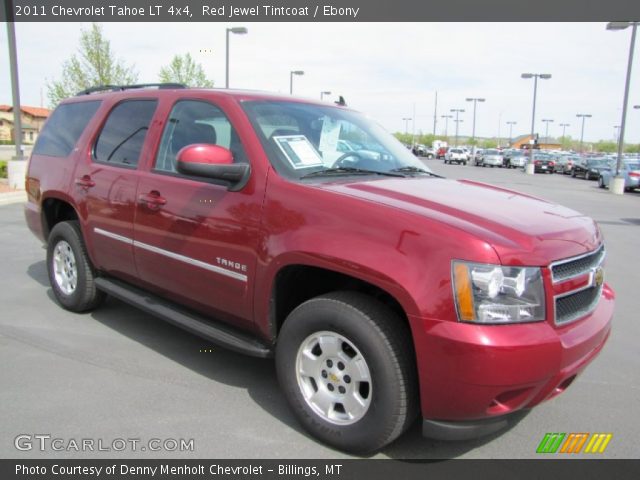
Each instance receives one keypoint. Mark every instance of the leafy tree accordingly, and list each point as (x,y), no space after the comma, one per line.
(184,69)
(94,64)
(605,146)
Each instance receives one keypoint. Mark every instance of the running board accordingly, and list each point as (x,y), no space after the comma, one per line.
(217,333)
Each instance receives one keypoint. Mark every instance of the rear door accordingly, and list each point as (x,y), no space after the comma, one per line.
(196,242)
(106,184)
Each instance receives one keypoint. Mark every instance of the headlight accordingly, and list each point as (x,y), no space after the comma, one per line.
(496,294)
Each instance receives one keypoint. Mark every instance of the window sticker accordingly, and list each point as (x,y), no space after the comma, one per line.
(329,135)
(298,151)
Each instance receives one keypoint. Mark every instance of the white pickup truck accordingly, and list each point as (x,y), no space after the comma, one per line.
(456,155)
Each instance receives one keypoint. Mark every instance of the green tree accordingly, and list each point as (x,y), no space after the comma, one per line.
(93,65)
(184,69)
(605,146)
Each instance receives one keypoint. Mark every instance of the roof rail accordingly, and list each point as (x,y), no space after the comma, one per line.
(117,88)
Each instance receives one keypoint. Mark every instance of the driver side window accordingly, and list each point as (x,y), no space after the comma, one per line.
(196,121)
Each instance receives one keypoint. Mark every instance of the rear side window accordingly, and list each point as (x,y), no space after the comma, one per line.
(122,137)
(64,127)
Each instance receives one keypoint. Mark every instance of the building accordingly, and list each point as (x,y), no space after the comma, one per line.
(33,119)
(524,141)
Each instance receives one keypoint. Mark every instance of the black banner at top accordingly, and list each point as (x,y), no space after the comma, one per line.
(317,10)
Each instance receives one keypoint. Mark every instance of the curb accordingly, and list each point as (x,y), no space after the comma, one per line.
(13,197)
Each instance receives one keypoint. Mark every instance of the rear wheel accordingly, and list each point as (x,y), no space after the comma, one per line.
(600,182)
(71,274)
(345,362)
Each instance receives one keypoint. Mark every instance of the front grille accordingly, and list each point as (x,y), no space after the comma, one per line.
(575,305)
(578,266)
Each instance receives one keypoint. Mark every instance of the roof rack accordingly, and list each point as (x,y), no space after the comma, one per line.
(119,88)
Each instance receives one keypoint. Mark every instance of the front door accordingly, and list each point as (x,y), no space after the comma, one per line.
(195,241)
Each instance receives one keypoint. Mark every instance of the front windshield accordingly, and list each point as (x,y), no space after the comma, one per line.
(302,138)
(597,163)
(492,152)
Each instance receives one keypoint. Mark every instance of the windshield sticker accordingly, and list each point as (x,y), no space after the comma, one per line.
(329,135)
(299,151)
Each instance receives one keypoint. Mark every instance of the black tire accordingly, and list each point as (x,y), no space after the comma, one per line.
(84,296)
(600,182)
(464,163)
(384,342)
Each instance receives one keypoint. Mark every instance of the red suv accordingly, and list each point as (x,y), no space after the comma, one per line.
(280,227)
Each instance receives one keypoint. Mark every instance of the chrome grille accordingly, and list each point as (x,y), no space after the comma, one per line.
(574,267)
(575,304)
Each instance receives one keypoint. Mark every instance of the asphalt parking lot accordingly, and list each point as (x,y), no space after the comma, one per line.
(120,373)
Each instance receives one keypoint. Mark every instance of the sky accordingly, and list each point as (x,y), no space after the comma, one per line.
(388,70)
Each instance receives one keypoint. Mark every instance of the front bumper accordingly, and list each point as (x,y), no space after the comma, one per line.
(477,374)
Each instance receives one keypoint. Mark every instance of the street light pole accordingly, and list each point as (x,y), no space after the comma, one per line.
(511,124)
(406,124)
(291,74)
(617,185)
(239,31)
(564,129)
(322,94)
(535,76)
(446,124)
(546,132)
(473,128)
(616,132)
(583,116)
(457,111)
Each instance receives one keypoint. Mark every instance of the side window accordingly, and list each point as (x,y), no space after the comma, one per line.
(195,121)
(63,129)
(122,137)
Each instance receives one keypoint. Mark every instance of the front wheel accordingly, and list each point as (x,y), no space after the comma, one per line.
(71,274)
(600,182)
(346,365)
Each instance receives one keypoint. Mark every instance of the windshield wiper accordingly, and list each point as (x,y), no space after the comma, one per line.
(410,169)
(343,170)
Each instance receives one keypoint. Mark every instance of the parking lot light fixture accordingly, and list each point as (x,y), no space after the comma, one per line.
(583,116)
(473,128)
(617,183)
(406,121)
(511,124)
(291,74)
(546,133)
(446,124)
(535,76)
(457,111)
(564,128)
(322,94)
(237,31)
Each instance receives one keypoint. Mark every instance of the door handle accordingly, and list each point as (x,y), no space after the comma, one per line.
(153,199)
(85,182)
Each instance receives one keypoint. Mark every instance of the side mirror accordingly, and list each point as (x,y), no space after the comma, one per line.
(213,161)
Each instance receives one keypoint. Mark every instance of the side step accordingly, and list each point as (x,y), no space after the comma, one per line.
(216,333)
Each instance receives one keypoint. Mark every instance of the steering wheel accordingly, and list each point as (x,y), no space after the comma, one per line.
(342,160)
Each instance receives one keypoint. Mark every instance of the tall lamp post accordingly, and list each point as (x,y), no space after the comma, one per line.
(535,76)
(238,31)
(564,129)
(546,131)
(473,128)
(617,184)
(511,124)
(616,132)
(457,111)
(291,74)
(322,94)
(583,116)
(446,124)
(406,121)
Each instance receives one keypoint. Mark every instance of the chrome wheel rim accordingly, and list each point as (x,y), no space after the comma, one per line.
(334,378)
(65,271)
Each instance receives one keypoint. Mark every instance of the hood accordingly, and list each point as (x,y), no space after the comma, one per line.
(511,222)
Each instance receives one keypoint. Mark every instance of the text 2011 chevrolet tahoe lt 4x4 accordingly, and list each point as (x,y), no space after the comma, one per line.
(298,229)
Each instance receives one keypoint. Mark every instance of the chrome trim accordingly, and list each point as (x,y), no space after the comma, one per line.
(115,236)
(573,259)
(174,256)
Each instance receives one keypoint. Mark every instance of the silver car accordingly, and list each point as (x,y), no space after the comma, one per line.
(630,170)
(492,158)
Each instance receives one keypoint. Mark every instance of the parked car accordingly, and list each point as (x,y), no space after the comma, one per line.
(477,158)
(543,163)
(441,152)
(589,168)
(630,170)
(456,155)
(233,215)
(490,158)
(517,159)
(565,164)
